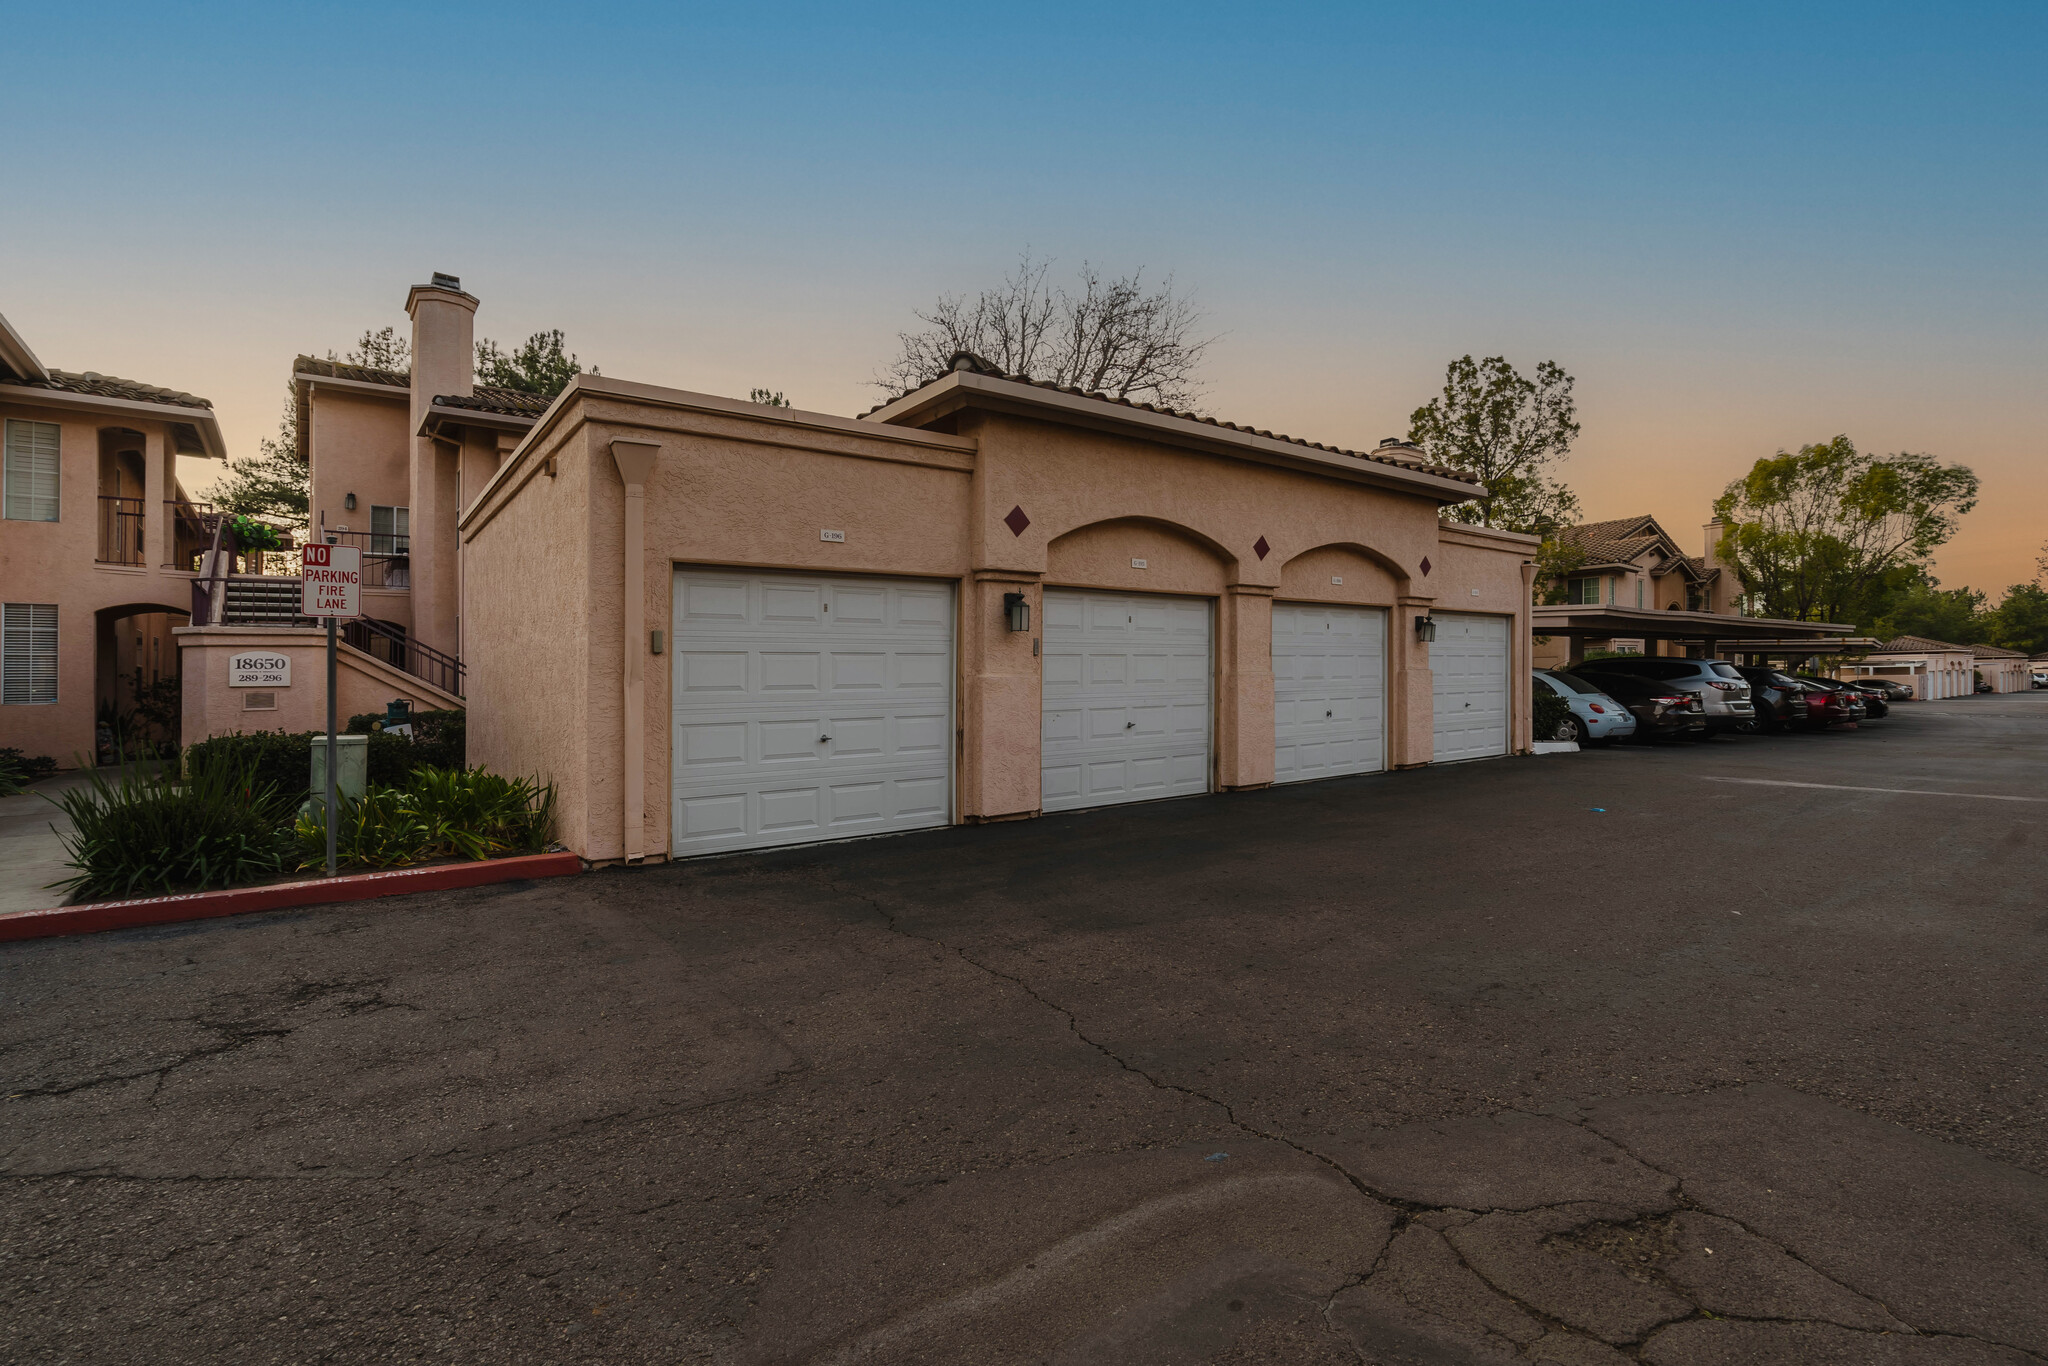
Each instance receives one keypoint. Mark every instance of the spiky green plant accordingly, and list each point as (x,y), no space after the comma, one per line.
(145,832)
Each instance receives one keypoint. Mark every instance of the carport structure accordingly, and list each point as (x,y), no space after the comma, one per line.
(1710,632)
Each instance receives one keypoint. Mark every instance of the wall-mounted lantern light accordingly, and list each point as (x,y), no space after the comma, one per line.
(349,502)
(1425,629)
(1017,611)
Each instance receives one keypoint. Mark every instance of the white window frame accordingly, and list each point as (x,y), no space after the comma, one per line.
(28,654)
(397,540)
(34,453)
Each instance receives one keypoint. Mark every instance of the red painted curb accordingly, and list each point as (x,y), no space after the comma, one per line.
(164,910)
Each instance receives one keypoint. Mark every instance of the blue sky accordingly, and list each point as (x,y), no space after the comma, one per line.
(1740,226)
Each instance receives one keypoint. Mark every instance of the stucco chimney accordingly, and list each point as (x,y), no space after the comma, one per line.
(443,342)
(1715,530)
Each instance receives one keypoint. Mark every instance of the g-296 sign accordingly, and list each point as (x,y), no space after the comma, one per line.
(260,669)
(330,581)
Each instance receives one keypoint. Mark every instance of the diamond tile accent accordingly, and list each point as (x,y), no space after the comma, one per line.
(1017,521)
(1425,566)
(1261,548)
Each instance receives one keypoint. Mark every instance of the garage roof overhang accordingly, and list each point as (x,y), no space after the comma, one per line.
(958,389)
(1643,623)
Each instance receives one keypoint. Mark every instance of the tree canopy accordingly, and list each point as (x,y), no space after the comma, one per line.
(539,365)
(1119,336)
(1831,533)
(1506,431)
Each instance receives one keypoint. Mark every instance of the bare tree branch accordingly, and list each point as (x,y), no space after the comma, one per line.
(1110,336)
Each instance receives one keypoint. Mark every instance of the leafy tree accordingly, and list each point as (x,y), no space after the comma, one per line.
(1924,608)
(770,397)
(1505,431)
(1815,534)
(539,365)
(1117,337)
(2020,621)
(382,349)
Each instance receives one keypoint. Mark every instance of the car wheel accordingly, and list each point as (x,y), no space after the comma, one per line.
(1579,732)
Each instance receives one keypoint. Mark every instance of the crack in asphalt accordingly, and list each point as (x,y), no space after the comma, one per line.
(1406,1209)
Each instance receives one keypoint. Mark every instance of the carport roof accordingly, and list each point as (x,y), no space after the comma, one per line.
(1595,622)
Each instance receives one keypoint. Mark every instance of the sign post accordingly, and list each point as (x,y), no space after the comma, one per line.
(330,586)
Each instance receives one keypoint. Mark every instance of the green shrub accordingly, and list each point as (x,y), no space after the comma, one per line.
(146,833)
(437,736)
(1552,714)
(18,770)
(284,759)
(436,813)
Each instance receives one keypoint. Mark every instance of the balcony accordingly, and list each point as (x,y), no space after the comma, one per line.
(387,558)
(120,531)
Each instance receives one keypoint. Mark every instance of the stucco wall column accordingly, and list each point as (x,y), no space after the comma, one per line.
(1244,687)
(1522,658)
(1412,699)
(635,460)
(156,548)
(997,746)
(443,362)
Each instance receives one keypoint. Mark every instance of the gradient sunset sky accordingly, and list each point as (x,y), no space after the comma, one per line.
(1740,226)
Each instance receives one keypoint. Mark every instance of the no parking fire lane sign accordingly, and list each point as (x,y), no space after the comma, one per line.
(330,581)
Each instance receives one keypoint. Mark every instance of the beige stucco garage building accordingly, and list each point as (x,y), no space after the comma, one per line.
(718,625)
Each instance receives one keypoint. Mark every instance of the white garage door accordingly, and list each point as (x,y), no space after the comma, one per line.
(1126,704)
(1469,664)
(1329,691)
(809,707)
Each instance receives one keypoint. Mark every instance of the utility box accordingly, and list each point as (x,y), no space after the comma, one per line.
(351,772)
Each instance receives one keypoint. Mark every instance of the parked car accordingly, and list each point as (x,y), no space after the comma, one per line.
(1595,715)
(1893,691)
(1723,692)
(1874,705)
(1661,712)
(1982,686)
(1779,698)
(1829,703)
(2040,679)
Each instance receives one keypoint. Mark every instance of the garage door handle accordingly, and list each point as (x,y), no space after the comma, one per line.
(1129,724)
(823,738)
(1329,713)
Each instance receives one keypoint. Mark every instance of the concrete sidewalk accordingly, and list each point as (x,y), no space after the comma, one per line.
(31,843)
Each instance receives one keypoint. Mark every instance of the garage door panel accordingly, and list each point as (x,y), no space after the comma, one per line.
(763,756)
(1126,712)
(1469,666)
(1329,690)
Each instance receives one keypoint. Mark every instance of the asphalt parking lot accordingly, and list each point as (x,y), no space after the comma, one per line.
(1716,1053)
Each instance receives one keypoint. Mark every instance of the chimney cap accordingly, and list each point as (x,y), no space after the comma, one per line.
(1392,441)
(442,280)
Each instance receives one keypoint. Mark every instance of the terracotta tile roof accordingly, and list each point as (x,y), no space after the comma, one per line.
(1996,652)
(1914,645)
(968,361)
(491,398)
(107,386)
(362,374)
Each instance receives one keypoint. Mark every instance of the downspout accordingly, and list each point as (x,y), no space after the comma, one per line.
(635,460)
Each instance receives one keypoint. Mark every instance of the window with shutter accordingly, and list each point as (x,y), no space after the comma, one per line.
(33,471)
(28,653)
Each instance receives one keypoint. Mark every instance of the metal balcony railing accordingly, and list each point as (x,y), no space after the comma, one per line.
(120,539)
(387,558)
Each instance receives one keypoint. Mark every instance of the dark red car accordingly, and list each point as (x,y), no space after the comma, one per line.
(1831,704)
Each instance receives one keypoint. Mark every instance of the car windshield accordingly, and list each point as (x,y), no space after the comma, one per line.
(1567,682)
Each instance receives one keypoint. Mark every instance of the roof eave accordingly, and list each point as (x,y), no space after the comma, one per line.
(439,418)
(957,387)
(16,355)
(202,419)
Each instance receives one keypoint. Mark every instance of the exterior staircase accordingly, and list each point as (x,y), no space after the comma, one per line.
(260,600)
